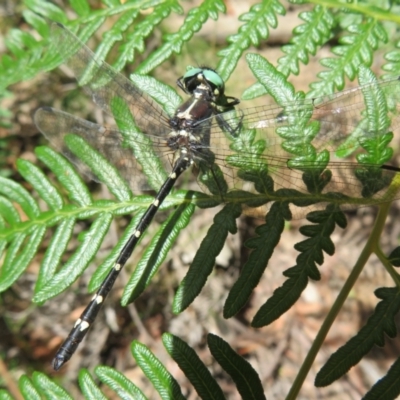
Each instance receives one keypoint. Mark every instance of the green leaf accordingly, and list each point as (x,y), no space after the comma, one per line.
(5,396)
(381,323)
(193,368)
(135,40)
(37,22)
(165,96)
(125,389)
(81,7)
(67,176)
(173,42)
(394,257)
(46,9)
(307,39)
(140,144)
(263,247)
(17,259)
(311,254)
(28,389)
(354,49)
(243,374)
(41,184)
(103,270)
(17,193)
(274,82)
(161,379)
(204,260)
(257,20)
(78,262)
(105,172)
(89,387)
(54,252)
(46,386)
(9,212)
(387,387)
(393,58)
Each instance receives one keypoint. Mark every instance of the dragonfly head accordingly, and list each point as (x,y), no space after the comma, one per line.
(197,77)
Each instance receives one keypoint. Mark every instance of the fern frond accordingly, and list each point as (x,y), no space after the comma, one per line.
(355,49)
(135,40)
(307,39)
(174,42)
(29,58)
(263,247)
(88,386)
(387,387)
(257,21)
(311,253)
(393,64)
(379,324)
(162,380)
(190,363)
(245,377)
(204,261)
(21,240)
(41,384)
(119,383)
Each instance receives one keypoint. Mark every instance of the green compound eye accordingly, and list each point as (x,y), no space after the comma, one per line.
(194,77)
(192,72)
(213,78)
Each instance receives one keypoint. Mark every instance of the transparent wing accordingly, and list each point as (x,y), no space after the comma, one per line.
(107,87)
(132,109)
(302,140)
(116,146)
(305,145)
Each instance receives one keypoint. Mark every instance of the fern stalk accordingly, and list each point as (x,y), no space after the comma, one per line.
(370,247)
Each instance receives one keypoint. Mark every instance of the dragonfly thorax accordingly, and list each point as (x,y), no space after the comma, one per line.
(191,122)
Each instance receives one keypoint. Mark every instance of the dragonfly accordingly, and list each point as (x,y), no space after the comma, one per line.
(244,155)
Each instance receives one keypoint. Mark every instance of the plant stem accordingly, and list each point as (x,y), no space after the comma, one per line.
(371,246)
